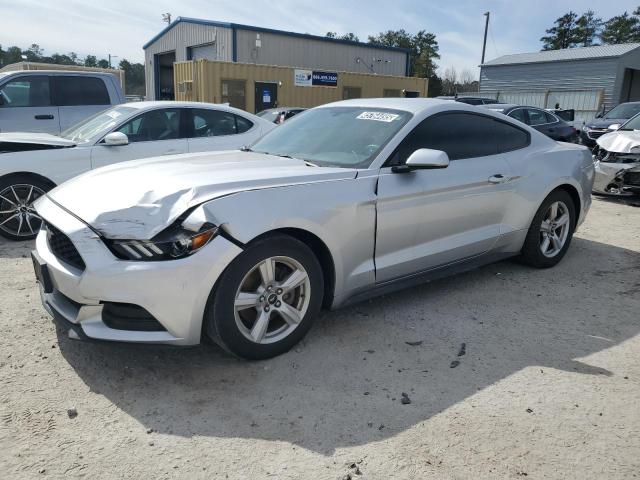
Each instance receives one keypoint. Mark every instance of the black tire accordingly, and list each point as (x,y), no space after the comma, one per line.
(21,184)
(531,253)
(220,321)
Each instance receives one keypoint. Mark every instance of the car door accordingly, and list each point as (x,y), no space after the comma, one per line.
(151,134)
(544,122)
(212,129)
(429,218)
(25,105)
(78,97)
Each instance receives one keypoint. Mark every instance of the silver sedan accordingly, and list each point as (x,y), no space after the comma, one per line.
(342,202)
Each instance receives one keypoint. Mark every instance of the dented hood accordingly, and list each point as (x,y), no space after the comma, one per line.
(137,200)
(621,142)
(36,139)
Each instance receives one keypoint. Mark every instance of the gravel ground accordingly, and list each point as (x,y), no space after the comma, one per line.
(546,386)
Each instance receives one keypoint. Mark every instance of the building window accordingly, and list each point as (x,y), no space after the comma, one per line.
(390,92)
(351,92)
(233,93)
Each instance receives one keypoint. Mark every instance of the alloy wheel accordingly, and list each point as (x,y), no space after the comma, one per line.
(554,229)
(17,215)
(272,300)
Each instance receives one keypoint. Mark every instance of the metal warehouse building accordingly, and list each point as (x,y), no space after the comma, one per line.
(586,79)
(314,62)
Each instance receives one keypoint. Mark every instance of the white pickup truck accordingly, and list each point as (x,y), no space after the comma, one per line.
(50,101)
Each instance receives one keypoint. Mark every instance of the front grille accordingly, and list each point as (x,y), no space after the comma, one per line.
(127,316)
(63,248)
(632,178)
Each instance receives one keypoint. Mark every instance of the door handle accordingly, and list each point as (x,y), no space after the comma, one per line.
(43,117)
(497,178)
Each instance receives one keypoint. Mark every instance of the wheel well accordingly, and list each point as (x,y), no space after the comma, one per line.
(323,254)
(573,193)
(27,175)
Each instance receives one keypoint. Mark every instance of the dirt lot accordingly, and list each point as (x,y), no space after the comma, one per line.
(549,385)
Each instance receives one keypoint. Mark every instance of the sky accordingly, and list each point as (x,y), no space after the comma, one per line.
(121,27)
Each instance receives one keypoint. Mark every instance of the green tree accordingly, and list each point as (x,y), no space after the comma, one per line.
(133,77)
(102,63)
(352,37)
(2,52)
(562,34)
(623,28)
(435,86)
(90,61)
(587,29)
(423,48)
(34,53)
(13,55)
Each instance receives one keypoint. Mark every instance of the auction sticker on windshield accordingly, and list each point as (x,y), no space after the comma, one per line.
(378,116)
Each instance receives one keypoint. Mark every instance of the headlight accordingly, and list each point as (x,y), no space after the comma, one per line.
(171,244)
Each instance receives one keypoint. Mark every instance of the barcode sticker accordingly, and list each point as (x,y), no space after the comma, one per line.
(378,116)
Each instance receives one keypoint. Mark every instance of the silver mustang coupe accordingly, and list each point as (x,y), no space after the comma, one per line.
(342,202)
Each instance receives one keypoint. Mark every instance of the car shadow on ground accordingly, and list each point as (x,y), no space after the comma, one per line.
(342,386)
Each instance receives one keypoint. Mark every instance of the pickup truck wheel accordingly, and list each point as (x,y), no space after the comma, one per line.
(266,299)
(18,219)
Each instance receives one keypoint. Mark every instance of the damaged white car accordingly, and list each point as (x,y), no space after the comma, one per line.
(33,163)
(340,203)
(617,161)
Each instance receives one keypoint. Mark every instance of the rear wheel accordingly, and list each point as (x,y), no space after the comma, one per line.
(18,219)
(551,231)
(266,299)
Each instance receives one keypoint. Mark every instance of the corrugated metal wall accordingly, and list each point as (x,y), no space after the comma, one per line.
(286,50)
(201,81)
(582,85)
(179,38)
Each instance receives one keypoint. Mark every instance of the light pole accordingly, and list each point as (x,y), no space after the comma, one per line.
(166,17)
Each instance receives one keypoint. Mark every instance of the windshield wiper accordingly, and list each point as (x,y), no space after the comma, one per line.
(246,149)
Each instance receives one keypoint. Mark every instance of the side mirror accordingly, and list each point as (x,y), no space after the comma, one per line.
(614,127)
(598,115)
(116,138)
(423,158)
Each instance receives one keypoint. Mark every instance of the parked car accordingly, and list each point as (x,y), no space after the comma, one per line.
(53,101)
(617,160)
(470,100)
(279,115)
(350,200)
(33,163)
(607,122)
(543,121)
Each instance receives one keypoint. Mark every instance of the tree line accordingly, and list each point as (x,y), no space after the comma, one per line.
(573,30)
(133,72)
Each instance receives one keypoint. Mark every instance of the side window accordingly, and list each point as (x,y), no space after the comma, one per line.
(460,135)
(550,118)
(153,126)
(242,124)
(510,137)
(27,91)
(76,90)
(213,123)
(539,117)
(518,114)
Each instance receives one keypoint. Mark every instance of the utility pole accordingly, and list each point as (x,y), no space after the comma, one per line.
(166,17)
(484,43)
(110,57)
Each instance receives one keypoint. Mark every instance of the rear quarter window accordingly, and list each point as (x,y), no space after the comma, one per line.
(80,90)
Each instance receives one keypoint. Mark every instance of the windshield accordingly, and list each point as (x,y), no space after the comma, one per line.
(348,137)
(624,110)
(97,124)
(268,113)
(633,124)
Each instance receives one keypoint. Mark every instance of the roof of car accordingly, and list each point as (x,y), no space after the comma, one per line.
(173,103)
(412,105)
(57,72)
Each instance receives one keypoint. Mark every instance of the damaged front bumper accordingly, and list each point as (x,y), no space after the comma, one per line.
(106,298)
(616,173)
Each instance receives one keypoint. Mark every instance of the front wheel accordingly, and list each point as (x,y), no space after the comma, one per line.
(18,218)
(551,231)
(266,299)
